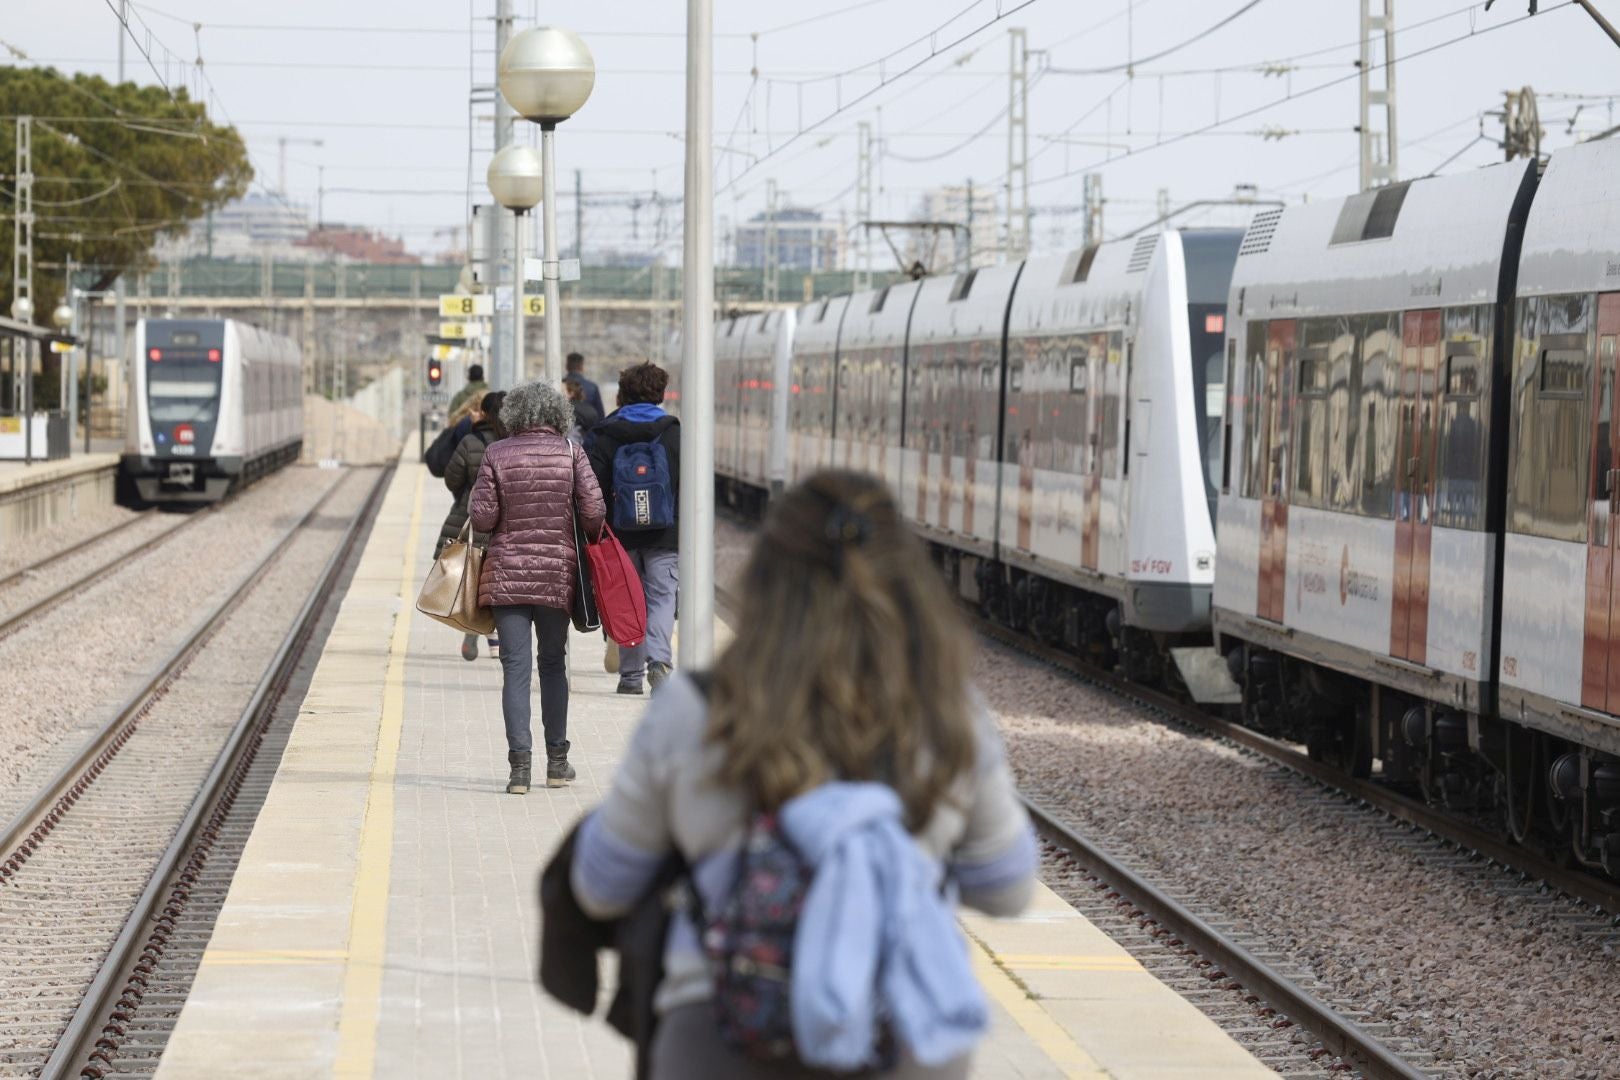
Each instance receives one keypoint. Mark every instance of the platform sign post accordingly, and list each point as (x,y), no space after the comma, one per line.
(696,521)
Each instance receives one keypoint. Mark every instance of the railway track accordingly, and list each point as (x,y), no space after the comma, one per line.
(1602,896)
(129,855)
(12,621)
(73,549)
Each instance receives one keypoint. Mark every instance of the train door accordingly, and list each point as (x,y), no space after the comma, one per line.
(1096,362)
(1417,439)
(1600,667)
(1274,420)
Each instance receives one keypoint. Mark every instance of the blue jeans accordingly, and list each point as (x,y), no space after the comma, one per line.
(551,625)
(660,573)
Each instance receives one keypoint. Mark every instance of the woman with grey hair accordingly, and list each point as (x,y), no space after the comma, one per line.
(529,489)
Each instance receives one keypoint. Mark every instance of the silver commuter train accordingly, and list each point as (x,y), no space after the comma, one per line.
(1031,419)
(214,403)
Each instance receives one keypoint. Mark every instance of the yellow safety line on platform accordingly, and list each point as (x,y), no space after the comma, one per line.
(1057,1044)
(1071,963)
(272,956)
(368,924)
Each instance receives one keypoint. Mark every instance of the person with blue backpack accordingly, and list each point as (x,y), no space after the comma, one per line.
(635,452)
(830,791)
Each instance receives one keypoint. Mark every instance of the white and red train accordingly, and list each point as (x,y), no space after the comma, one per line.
(1396,410)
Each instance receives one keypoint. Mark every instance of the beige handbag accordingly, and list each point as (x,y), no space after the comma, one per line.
(450,593)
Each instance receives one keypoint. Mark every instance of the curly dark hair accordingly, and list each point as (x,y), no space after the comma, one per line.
(643,383)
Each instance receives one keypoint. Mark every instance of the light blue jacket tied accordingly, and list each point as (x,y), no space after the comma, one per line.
(876,940)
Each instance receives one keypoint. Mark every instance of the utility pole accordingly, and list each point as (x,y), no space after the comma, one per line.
(1094,209)
(967,263)
(772,280)
(309,327)
(1378,158)
(22,232)
(696,518)
(863,205)
(579,215)
(505,351)
(1164,203)
(118,286)
(1521,124)
(1017,228)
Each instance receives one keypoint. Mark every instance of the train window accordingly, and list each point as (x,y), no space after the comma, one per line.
(1386,208)
(879,300)
(1226,416)
(964,285)
(1254,411)
(1563,367)
(1551,462)
(1311,415)
(1464,427)
(1376,396)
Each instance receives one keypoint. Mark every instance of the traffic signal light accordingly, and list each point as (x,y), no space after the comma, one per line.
(435,372)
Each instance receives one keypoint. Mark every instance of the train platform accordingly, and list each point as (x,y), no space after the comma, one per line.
(35,496)
(383,921)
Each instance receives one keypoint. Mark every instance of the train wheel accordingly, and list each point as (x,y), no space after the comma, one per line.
(1358,756)
(1519,775)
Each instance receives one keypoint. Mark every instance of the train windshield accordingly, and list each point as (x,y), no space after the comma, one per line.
(183,371)
(1210,255)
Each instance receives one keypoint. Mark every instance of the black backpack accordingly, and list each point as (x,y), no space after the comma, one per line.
(443,448)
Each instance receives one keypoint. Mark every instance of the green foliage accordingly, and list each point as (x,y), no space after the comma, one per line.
(116,166)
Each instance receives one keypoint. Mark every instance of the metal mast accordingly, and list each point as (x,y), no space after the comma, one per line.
(505,351)
(22,233)
(1378,157)
(772,284)
(863,206)
(1017,242)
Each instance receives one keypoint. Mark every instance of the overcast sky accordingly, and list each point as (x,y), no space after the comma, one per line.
(385,85)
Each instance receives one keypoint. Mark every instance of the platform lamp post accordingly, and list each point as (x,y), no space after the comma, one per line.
(515,180)
(546,73)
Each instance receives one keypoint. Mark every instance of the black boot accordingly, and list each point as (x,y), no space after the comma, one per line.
(520,760)
(558,771)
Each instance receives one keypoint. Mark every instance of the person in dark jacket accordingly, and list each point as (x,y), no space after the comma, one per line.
(593,393)
(529,489)
(640,418)
(459,475)
(586,415)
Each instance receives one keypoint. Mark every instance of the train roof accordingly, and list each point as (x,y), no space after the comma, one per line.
(970,306)
(1434,242)
(1572,237)
(1089,288)
(879,317)
(817,328)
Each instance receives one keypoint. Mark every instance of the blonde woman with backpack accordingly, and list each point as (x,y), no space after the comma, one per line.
(834,784)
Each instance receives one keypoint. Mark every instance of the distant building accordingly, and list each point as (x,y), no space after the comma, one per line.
(359,245)
(951,203)
(804,241)
(251,228)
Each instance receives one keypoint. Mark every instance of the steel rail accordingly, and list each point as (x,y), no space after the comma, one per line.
(18,575)
(88,1035)
(1580,886)
(11,622)
(29,828)
(1339,1034)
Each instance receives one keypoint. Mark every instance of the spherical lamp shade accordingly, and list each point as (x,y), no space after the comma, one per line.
(546,74)
(62,316)
(515,178)
(22,309)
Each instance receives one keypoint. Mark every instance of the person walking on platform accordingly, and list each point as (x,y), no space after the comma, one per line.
(473,392)
(823,784)
(636,454)
(593,393)
(586,415)
(529,489)
(459,475)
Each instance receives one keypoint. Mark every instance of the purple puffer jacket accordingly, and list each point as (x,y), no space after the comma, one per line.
(527,490)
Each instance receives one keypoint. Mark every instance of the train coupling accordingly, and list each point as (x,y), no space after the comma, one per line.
(180,474)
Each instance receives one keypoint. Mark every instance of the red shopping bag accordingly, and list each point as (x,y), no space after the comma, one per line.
(620,601)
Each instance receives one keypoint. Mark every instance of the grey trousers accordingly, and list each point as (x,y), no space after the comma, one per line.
(660,573)
(551,626)
(687,1046)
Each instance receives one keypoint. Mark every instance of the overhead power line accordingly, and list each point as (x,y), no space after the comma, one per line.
(1130,65)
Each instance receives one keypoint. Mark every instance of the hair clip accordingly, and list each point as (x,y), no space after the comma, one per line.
(846,526)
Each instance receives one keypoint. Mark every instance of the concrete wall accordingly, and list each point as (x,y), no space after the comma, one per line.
(36,498)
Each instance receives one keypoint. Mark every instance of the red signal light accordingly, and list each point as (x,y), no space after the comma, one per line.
(154,355)
(213,356)
(1215,324)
